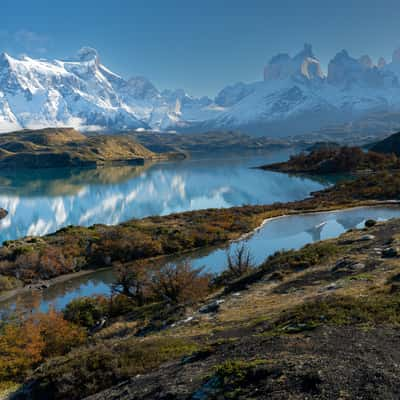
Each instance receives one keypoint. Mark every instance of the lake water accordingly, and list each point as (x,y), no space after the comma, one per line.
(42,201)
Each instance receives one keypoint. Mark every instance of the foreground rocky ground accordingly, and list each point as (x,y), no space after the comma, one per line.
(318,323)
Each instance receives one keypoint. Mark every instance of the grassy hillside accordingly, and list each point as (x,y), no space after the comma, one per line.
(65,147)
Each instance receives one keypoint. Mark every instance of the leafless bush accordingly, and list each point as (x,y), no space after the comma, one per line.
(239,262)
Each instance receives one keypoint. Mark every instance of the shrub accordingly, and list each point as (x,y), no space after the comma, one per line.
(240,263)
(237,264)
(21,347)
(8,283)
(179,283)
(24,345)
(174,283)
(235,370)
(86,311)
(59,335)
(88,370)
(132,281)
(306,257)
(120,305)
(234,378)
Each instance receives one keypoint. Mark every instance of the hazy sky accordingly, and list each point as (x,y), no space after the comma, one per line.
(199,45)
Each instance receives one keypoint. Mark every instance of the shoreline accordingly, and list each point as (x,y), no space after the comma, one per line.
(67,277)
(45,284)
(327,210)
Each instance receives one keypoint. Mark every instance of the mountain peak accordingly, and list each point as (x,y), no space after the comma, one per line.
(307,51)
(381,62)
(304,64)
(87,54)
(396,56)
(346,72)
(366,61)
(141,88)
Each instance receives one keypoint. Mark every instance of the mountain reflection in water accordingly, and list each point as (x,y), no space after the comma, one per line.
(40,202)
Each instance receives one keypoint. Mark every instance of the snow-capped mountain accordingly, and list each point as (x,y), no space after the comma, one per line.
(84,93)
(296,96)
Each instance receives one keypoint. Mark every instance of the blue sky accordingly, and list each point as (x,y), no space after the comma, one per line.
(198,45)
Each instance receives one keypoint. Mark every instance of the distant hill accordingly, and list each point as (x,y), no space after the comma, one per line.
(66,147)
(390,145)
(209,142)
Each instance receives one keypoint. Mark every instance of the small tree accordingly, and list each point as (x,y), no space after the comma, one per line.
(132,281)
(240,262)
(59,335)
(180,283)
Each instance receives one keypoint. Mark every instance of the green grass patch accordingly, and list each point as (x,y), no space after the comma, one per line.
(360,277)
(368,311)
(308,256)
(233,377)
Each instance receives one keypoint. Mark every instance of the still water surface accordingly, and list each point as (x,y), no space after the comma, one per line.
(42,201)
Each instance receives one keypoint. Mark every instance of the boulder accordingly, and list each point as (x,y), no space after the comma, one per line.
(390,252)
(365,238)
(369,223)
(346,265)
(212,307)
